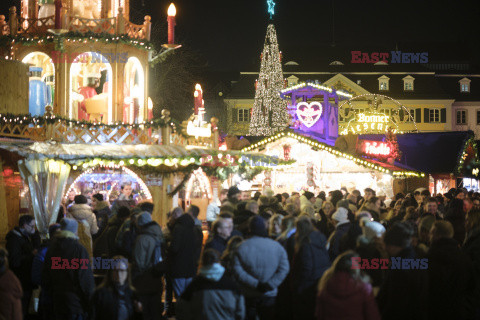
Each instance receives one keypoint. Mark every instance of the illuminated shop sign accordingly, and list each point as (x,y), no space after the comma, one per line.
(369,123)
(374,148)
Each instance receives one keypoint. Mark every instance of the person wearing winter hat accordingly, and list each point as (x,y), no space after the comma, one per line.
(70,289)
(342,225)
(86,219)
(260,266)
(404,292)
(373,229)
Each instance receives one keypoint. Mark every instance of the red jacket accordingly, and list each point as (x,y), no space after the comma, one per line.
(346,298)
(10,296)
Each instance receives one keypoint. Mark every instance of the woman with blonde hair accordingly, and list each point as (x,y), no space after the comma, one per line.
(344,292)
(275,226)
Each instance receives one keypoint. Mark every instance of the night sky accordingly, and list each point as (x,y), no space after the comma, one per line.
(229,34)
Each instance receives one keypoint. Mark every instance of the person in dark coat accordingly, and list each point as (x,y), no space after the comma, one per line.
(212,293)
(310,261)
(115,298)
(45,303)
(10,291)
(456,216)
(221,233)
(69,283)
(471,247)
(450,274)
(344,293)
(342,224)
(22,244)
(102,213)
(147,281)
(240,220)
(183,253)
(404,292)
(105,244)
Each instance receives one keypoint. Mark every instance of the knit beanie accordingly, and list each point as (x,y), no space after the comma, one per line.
(144,218)
(373,229)
(80,199)
(257,226)
(67,224)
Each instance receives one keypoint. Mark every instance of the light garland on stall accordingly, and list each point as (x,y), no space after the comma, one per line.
(463,155)
(38,121)
(319,145)
(316,86)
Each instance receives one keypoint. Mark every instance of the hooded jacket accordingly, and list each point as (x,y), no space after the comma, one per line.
(10,296)
(185,247)
(69,285)
(212,295)
(87,224)
(260,260)
(145,242)
(346,298)
(310,262)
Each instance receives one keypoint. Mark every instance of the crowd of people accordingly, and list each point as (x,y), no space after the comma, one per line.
(341,255)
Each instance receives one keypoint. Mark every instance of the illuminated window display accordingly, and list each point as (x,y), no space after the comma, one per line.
(134,92)
(108,182)
(41,83)
(90,92)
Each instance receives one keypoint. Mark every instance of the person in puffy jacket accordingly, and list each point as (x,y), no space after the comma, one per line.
(87,222)
(344,293)
(310,261)
(212,294)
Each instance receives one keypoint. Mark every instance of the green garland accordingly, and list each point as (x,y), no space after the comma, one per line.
(106,38)
(28,119)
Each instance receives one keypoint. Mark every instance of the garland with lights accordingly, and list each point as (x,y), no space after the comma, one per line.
(463,155)
(27,119)
(269,113)
(74,37)
(315,145)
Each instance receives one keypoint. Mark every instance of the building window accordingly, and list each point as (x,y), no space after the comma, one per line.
(478,117)
(383,83)
(461,116)
(408,83)
(412,116)
(243,115)
(292,80)
(434,115)
(386,111)
(464,85)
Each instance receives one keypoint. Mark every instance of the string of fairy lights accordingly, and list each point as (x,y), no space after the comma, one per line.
(315,144)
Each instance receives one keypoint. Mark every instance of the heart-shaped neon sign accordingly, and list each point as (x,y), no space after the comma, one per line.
(309,113)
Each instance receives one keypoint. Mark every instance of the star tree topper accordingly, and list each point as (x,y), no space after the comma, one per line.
(271,8)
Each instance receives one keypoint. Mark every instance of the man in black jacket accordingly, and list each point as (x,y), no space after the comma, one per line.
(22,244)
(67,274)
(184,252)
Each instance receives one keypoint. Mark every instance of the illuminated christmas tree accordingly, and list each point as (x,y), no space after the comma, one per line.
(269,114)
